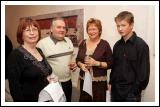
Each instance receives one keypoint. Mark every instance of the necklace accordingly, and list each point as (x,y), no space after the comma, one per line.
(34,52)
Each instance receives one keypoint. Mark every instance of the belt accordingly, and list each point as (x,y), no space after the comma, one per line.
(96,79)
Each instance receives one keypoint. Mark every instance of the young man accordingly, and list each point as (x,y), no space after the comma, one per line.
(58,50)
(131,68)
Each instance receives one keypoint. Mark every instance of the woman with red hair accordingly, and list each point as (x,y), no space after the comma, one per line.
(28,70)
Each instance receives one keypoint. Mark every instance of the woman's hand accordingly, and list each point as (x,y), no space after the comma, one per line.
(109,87)
(91,62)
(52,78)
(83,67)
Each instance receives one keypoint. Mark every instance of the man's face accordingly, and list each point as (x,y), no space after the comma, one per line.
(58,29)
(123,27)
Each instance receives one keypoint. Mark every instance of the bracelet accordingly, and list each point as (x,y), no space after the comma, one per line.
(100,64)
(97,63)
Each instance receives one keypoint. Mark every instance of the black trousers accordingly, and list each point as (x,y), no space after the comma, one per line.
(67,88)
(124,94)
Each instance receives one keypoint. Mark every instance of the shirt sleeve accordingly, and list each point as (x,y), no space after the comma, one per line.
(14,75)
(112,73)
(143,69)
(109,58)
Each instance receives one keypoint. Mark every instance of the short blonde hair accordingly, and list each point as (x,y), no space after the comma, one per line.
(125,15)
(96,22)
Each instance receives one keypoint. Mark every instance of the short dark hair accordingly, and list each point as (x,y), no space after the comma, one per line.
(125,15)
(23,24)
(55,19)
(96,22)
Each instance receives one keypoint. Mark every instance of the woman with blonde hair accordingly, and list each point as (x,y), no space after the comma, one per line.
(94,56)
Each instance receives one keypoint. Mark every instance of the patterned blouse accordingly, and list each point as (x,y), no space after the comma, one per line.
(27,75)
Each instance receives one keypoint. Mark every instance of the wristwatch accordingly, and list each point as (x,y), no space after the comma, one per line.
(98,63)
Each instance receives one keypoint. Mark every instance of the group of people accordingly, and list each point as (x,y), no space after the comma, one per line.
(36,63)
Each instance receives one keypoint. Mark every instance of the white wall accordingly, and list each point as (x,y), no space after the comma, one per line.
(144,26)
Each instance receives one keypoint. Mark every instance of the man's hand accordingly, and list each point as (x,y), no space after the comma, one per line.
(73,66)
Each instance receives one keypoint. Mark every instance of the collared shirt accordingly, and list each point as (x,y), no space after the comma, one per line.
(56,40)
(131,62)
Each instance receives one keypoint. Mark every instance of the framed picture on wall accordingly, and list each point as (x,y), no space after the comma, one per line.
(73,20)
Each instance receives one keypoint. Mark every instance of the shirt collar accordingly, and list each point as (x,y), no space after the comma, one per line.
(131,39)
(56,40)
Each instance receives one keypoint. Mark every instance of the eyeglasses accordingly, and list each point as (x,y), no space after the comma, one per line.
(33,30)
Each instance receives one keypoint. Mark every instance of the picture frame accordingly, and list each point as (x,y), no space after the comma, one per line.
(74,23)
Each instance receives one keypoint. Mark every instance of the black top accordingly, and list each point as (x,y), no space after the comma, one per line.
(131,63)
(27,75)
(8,49)
(102,53)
